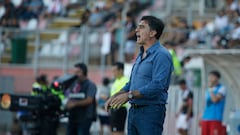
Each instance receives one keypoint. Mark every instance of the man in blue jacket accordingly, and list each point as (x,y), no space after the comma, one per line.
(147,90)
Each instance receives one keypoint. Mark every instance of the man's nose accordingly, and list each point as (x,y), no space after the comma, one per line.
(137,28)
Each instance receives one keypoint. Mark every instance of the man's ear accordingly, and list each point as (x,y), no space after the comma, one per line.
(153,33)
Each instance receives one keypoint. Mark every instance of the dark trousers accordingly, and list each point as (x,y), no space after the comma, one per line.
(146,120)
(49,128)
(81,128)
(118,119)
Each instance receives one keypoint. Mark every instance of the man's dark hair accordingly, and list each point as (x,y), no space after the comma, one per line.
(154,24)
(42,78)
(83,67)
(215,73)
(129,14)
(187,58)
(105,81)
(182,82)
(119,65)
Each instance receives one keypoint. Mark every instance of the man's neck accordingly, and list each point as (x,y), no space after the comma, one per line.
(119,76)
(82,79)
(215,84)
(149,44)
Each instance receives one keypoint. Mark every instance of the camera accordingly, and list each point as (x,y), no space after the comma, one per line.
(43,110)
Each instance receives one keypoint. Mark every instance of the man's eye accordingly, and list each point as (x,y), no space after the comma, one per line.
(140,26)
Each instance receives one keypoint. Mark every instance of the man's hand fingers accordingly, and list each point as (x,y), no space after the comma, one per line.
(115,101)
(119,100)
(107,104)
(119,105)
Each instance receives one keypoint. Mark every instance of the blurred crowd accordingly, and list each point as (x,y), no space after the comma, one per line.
(106,14)
(19,13)
(221,32)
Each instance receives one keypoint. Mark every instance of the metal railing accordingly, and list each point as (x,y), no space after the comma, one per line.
(64,47)
(74,45)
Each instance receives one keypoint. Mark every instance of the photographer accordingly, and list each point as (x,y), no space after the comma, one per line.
(44,115)
(40,86)
(81,103)
(48,119)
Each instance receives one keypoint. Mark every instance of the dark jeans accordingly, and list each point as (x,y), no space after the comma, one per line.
(147,120)
(49,128)
(81,128)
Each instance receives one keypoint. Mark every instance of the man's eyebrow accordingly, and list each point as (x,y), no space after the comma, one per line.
(140,25)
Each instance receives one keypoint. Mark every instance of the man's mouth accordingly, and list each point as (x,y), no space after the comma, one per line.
(138,36)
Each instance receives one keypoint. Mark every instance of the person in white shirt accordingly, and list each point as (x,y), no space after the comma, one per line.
(221,22)
(235,36)
(186,110)
(102,95)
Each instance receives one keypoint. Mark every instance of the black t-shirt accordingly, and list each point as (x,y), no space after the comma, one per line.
(189,95)
(78,114)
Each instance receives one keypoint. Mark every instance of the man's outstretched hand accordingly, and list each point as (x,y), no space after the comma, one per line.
(107,103)
(116,102)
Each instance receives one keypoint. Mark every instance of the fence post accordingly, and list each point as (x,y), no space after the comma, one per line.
(65,57)
(201,7)
(86,57)
(85,45)
(123,31)
(1,43)
(189,13)
(36,53)
(169,6)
